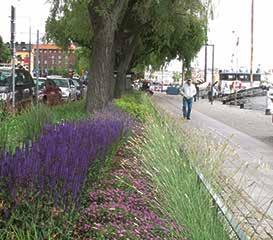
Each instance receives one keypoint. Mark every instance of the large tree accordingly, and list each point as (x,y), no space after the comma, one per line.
(102,20)
(122,34)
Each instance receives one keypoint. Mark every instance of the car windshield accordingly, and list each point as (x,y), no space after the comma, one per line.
(4,77)
(75,82)
(61,83)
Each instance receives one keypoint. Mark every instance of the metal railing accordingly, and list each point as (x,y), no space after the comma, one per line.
(235,226)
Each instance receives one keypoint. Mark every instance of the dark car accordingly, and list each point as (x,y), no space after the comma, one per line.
(23,86)
(173,90)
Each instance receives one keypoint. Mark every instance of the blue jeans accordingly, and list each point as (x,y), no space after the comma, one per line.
(187,106)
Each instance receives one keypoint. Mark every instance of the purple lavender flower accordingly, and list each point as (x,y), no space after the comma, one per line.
(57,163)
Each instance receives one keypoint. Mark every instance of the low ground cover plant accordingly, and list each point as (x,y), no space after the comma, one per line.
(122,205)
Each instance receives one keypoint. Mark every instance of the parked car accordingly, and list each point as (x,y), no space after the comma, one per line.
(23,86)
(41,86)
(173,90)
(81,88)
(68,89)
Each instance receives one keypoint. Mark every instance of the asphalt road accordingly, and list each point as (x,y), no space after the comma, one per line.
(250,134)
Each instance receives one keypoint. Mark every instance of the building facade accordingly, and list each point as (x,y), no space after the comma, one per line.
(53,59)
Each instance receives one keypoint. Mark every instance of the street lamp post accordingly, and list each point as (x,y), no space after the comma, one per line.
(12,42)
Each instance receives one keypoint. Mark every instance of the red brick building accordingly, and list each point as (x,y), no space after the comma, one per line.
(53,58)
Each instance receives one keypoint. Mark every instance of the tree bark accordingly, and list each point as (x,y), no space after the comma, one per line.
(100,84)
(124,62)
(100,69)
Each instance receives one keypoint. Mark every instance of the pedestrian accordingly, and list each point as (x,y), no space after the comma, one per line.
(209,92)
(196,96)
(188,91)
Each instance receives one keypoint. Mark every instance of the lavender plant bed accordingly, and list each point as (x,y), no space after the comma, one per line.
(58,162)
(123,207)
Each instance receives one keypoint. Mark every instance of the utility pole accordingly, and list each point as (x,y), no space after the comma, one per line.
(29,50)
(12,43)
(37,66)
(252,43)
(206,47)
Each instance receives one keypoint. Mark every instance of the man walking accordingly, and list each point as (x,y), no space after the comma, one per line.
(188,91)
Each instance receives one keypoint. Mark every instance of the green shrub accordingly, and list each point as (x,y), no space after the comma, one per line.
(136,104)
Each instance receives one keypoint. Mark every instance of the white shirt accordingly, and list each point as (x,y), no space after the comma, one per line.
(188,91)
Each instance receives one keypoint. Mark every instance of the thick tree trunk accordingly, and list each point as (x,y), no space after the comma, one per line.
(124,64)
(100,85)
(101,70)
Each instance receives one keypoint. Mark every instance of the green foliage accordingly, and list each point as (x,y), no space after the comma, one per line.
(14,130)
(83,59)
(69,22)
(176,76)
(5,53)
(58,71)
(38,219)
(167,29)
(74,111)
(33,120)
(134,104)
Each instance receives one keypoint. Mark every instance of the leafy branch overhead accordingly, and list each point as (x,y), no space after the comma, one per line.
(126,34)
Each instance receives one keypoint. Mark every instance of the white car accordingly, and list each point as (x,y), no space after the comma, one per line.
(69,91)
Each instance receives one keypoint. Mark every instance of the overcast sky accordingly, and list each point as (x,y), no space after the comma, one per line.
(28,12)
(235,16)
(230,16)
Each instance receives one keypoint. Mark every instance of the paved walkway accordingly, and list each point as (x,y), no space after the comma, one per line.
(250,133)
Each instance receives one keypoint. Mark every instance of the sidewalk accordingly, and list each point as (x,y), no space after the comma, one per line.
(254,151)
